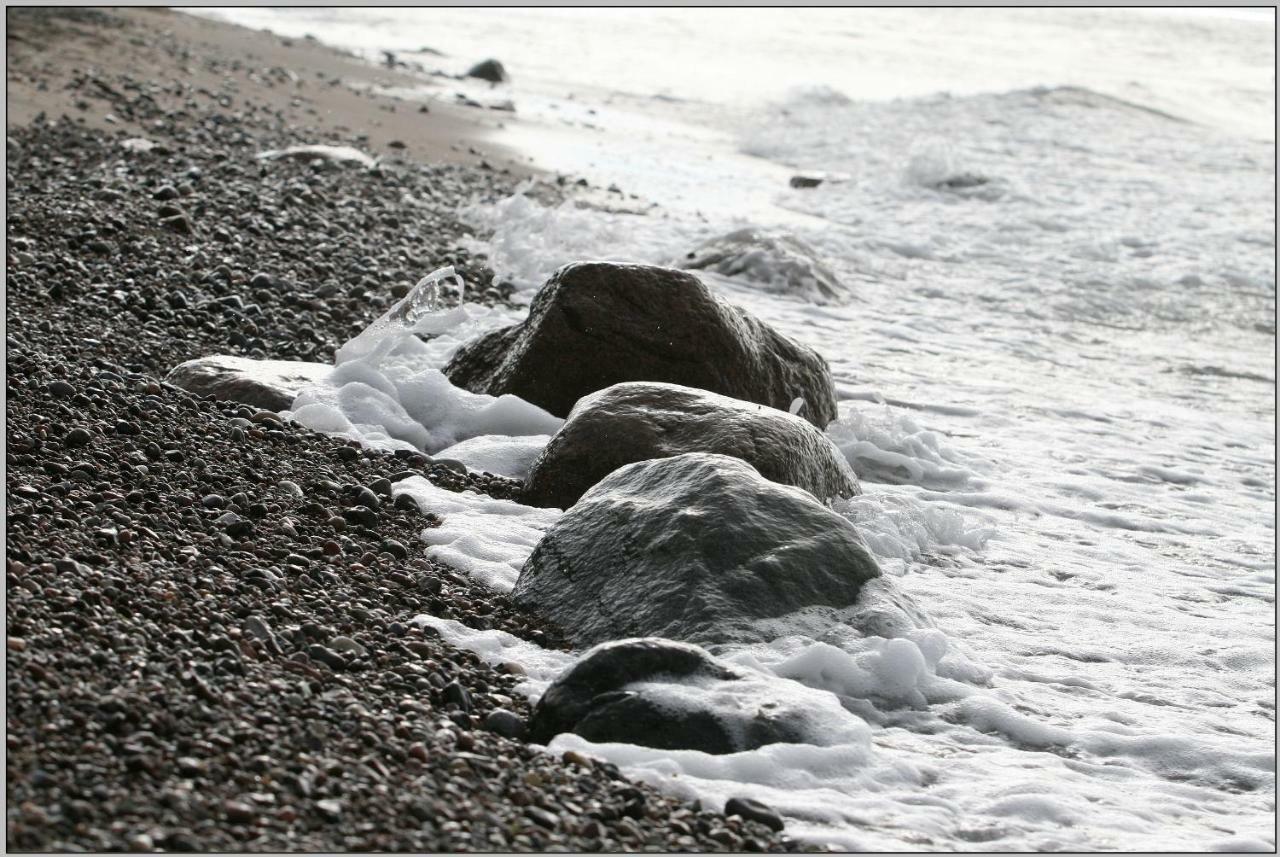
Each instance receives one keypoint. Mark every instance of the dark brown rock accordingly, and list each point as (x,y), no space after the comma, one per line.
(638,421)
(596,324)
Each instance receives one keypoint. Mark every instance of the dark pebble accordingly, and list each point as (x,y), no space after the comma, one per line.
(508,724)
(238,812)
(327,656)
(754,810)
(77,437)
(457,694)
(542,817)
(361,515)
(395,548)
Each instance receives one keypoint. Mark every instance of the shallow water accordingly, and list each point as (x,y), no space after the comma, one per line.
(1057,385)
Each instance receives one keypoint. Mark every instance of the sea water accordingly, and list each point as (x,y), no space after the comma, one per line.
(1055,370)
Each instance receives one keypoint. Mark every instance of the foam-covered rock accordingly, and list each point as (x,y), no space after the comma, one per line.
(782,264)
(639,420)
(269,384)
(596,324)
(675,696)
(695,547)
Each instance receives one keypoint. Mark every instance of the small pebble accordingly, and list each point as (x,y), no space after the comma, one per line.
(77,437)
(754,810)
(508,724)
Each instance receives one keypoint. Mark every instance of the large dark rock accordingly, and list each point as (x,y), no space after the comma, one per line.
(779,263)
(596,324)
(696,547)
(640,420)
(674,696)
(269,384)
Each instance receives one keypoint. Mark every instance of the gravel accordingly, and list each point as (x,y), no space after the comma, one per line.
(209,645)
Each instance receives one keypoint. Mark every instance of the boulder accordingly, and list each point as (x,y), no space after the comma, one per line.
(490,70)
(269,384)
(806,181)
(596,324)
(782,264)
(696,547)
(640,420)
(674,696)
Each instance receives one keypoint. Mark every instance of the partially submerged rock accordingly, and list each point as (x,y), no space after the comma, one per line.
(269,384)
(596,324)
(641,420)
(783,264)
(696,547)
(674,696)
(490,70)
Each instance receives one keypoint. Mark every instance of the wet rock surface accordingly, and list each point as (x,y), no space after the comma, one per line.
(695,547)
(638,421)
(675,696)
(203,652)
(596,324)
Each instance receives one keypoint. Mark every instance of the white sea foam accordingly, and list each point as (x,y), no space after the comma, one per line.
(387,391)
(487,539)
(993,416)
(883,445)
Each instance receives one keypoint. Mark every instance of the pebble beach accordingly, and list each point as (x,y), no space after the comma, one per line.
(209,635)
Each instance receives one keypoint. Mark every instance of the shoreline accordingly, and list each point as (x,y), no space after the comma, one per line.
(207,650)
(202,64)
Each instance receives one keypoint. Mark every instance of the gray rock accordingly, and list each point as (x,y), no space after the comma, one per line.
(596,324)
(362,515)
(505,723)
(271,384)
(675,696)
(696,547)
(638,421)
(783,264)
(347,646)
